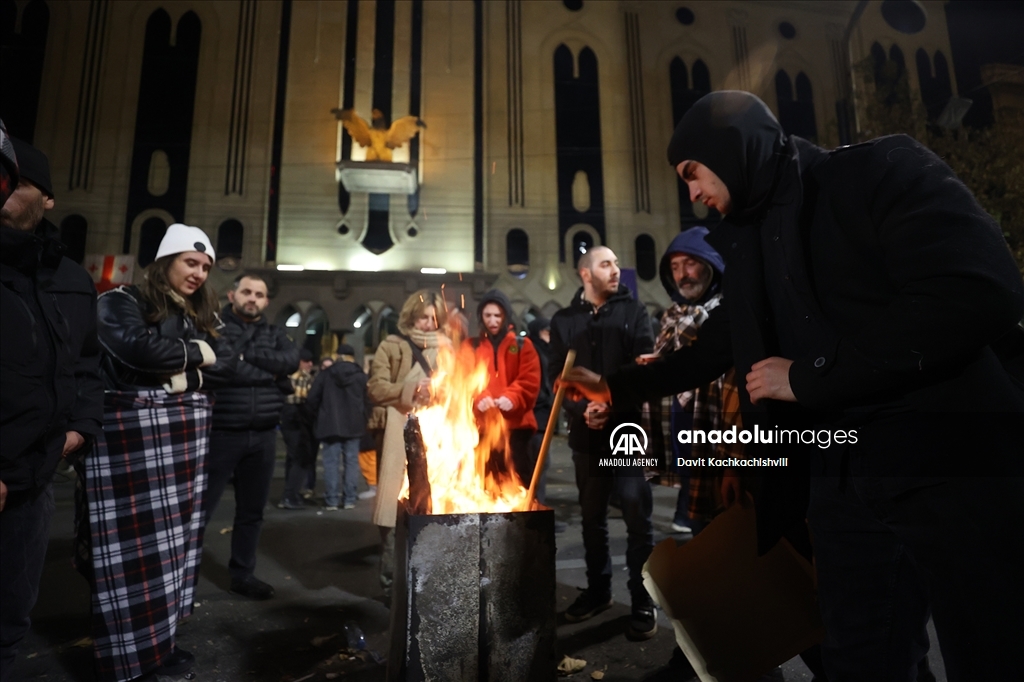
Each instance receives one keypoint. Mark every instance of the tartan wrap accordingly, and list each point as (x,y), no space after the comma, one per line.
(144,485)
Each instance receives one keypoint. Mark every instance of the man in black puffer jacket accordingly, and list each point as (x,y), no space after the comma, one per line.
(52,398)
(245,414)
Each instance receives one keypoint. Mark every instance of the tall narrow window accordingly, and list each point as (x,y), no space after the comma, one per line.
(686,91)
(796,114)
(230,238)
(517,252)
(73,231)
(582,242)
(936,88)
(578,140)
(646,257)
(150,234)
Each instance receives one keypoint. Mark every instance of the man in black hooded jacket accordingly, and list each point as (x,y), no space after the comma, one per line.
(52,395)
(866,290)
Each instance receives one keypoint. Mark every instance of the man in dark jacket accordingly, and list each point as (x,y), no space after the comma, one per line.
(52,396)
(540,334)
(866,289)
(340,408)
(243,441)
(608,329)
(297,431)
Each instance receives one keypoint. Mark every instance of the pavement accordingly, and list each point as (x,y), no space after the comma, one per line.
(324,568)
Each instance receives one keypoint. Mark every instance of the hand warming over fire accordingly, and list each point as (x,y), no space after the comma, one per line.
(504,404)
(421,396)
(590,384)
(484,404)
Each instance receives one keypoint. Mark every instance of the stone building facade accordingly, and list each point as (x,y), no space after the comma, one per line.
(546,126)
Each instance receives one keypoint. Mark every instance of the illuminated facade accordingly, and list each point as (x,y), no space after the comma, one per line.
(547,123)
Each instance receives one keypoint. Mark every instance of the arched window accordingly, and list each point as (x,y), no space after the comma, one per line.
(230,239)
(686,91)
(150,234)
(936,89)
(517,252)
(891,85)
(796,115)
(582,242)
(73,231)
(646,257)
(578,140)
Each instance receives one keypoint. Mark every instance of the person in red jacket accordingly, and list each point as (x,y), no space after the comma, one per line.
(514,368)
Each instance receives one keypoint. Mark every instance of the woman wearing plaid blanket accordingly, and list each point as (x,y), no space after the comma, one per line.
(145,482)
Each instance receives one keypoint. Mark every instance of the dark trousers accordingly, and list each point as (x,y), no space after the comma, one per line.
(635,492)
(536,440)
(24,534)
(248,457)
(889,550)
(301,460)
(523,458)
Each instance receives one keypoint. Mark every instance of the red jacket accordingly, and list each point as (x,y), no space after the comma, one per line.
(515,374)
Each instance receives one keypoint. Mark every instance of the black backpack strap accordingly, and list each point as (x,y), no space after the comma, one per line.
(418,356)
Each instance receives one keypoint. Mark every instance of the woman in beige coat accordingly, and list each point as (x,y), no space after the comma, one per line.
(399,382)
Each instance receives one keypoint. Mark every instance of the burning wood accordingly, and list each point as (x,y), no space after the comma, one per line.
(416,467)
(474,590)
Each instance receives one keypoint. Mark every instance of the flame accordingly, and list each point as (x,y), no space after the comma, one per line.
(458,443)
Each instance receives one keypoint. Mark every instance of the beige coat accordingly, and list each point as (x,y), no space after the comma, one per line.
(394,374)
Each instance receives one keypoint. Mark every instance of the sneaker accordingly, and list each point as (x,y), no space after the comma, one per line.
(253,588)
(331,507)
(285,503)
(642,621)
(349,505)
(681,528)
(306,494)
(588,605)
(368,494)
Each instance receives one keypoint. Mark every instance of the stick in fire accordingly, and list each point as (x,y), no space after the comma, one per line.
(416,463)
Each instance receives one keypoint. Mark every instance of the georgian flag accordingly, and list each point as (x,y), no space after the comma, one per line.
(109,271)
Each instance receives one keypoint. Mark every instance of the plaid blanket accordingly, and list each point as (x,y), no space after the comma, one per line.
(144,484)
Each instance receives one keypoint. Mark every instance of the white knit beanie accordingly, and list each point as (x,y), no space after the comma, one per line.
(181,238)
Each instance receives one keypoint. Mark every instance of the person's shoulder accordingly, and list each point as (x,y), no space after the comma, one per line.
(122,293)
(73,276)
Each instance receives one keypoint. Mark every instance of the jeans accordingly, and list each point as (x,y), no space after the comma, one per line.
(248,456)
(24,534)
(888,551)
(333,452)
(637,504)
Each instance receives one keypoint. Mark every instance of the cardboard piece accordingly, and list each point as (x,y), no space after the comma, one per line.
(736,615)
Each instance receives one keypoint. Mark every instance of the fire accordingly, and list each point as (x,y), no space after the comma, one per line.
(458,444)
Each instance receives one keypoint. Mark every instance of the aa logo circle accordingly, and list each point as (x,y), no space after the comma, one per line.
(628,439)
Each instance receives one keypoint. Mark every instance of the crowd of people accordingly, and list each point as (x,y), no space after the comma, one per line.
(859,288)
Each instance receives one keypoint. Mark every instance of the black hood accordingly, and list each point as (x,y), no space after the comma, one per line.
(494,296)
(691,242)
(342,372)
(27,250)
(736,135)
(535,327)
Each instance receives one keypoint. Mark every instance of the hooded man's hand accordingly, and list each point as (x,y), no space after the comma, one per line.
(590,384)
(769,378)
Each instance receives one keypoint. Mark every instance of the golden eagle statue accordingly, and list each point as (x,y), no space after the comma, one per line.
(378,139)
